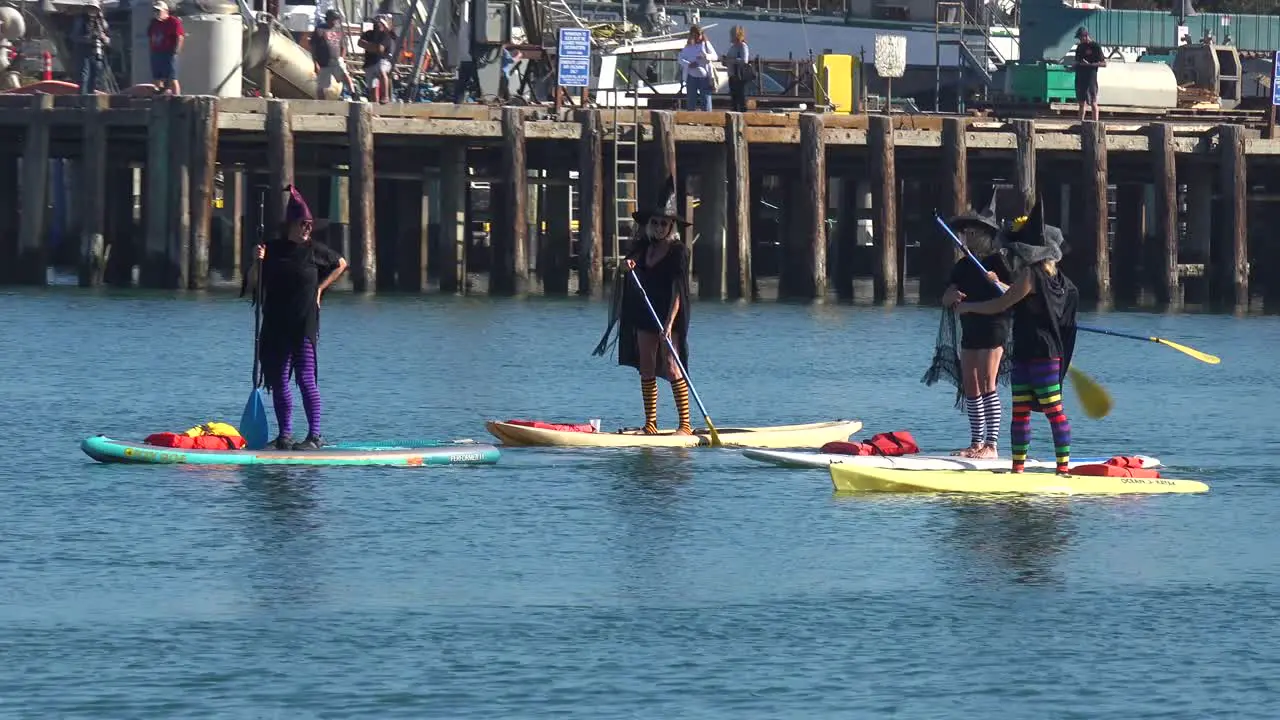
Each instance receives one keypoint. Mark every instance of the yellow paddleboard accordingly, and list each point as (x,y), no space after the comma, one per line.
(854,478)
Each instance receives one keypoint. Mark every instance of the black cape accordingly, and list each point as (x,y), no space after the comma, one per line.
(1062,300)
(625,339)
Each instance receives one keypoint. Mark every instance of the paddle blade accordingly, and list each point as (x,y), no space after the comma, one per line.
(1201,356)
(715,436)
(253,422)
(1093,397)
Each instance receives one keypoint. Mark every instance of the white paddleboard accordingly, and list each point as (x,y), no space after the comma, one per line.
(800,459)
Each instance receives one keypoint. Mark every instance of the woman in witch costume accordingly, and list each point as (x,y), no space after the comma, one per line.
(1044,303)
(660,261)
(296,271)
(981,354)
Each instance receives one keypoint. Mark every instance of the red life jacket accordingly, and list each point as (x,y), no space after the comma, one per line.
(200,442)
(562,427)
(889,444)
(1118,466)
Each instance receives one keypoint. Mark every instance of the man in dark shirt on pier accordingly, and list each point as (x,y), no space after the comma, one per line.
(1089,58)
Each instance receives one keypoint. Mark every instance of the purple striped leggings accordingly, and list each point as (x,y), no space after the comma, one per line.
(301,362)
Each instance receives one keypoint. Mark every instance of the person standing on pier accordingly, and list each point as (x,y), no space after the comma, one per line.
(1044,303)
(329,49)
(377,44)
(980,358)
(1089,58)
(696,59)
(738,61)
(660,260)
(296,271)
(91,36)
(165,37)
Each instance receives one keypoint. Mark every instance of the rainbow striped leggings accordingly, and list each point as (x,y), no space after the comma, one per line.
(1037,386)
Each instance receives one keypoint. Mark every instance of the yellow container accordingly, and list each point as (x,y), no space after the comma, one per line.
(835,84)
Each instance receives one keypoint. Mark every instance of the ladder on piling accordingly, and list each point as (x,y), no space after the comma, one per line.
(626,162)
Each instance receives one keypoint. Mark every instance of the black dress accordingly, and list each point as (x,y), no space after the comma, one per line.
(663,283)
(982,332)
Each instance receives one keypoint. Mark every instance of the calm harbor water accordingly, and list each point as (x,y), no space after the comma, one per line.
(627,583)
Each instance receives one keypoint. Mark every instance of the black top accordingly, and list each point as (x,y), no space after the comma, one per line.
(291,278)
(381,37)
(659,281)
(1091,52)
(982,331)
(1044,322)
(326,45)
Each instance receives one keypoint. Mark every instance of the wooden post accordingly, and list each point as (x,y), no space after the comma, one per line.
(279,160)
(122,236)
(937,254)
(204,163)
(453,219)
(884,189)
(235,193)
(1024,132)
(179,196)
(1230,279)
(806,264)
(664,154)
(846,240)
(591,211)
(9,225)
(364,243)
(1164,170)
(32,266)
(339,234)
(1131,231)
(738,208)
(159,267)
(711,221)
(93,189)
(420,238)
(1093,145)
(557,244)
(509,268)
(1200,219)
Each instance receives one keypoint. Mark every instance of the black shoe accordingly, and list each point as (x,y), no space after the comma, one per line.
(313,442)
(283,442)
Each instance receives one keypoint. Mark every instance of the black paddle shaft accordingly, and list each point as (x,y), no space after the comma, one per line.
(257,295)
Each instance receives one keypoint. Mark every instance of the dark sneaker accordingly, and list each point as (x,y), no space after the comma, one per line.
(313,442)
(283,442)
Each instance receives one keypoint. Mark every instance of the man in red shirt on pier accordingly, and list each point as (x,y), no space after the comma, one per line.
(165,35)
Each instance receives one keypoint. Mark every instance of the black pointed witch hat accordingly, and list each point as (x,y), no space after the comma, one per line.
(1034,241)
(665,207)
(985,218)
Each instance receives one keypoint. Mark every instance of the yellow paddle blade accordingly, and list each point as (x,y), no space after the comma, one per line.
(1093,397)
(715,436)
(1201,356)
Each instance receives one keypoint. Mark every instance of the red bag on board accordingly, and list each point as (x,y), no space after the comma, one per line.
(898,442)
(201,442)
(843,447)
(562,427)
(1118,466)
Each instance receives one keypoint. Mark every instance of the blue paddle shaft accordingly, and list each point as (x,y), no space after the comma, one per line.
(675,355)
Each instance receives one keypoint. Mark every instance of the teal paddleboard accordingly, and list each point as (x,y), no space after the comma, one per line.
(106,450)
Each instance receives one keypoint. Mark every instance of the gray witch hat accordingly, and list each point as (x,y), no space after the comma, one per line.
(985,218)
(1035,241)
(665,207)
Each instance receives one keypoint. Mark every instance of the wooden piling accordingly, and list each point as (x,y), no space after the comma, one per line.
(1230,279)
(32,261)
(93,186)
(557,243)
(806,267)
(1164,172)
(279,160)
(10,198)
(364,249)
(741,282)
(181,133)
(590,211)
(1024,132)
(453,219)
(663,157)
(1131,229)
(419,267)
(1093,146)
(1200,219)
(845,248)
(204,164)
(710,218)
(884,189)
(234,195)
(509,269)
(937,251)
(122,235)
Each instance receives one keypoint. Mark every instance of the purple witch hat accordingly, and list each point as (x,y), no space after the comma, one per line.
(297,209)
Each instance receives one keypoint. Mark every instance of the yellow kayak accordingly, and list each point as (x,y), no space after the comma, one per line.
(811,435)
(854,478)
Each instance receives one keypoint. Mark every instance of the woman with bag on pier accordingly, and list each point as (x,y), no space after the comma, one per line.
(697,60)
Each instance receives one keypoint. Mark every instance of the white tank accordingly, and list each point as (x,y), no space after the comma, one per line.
(210,59)
(14,26)
(1137,84)
(293,71)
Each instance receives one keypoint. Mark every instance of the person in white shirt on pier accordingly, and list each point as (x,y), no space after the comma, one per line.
(696,59)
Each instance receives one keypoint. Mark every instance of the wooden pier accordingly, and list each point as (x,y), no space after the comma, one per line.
(167,194)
